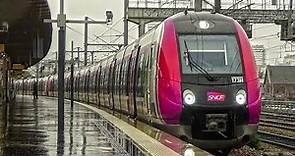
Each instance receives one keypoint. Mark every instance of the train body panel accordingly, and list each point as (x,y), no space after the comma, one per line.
(252,80)
(194,75)
(169,76)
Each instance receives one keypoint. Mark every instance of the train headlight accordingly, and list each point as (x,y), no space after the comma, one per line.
(189,97)
(204,24)
(189,152)
(241,97)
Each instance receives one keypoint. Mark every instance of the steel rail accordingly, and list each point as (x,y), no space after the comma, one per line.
(278,140)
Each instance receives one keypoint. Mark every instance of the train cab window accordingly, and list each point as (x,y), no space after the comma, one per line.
(216,54)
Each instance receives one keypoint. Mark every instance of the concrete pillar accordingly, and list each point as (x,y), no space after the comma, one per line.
(141,28)
(198,5)
(217,6)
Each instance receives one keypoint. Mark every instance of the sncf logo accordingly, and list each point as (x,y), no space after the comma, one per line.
(215,97)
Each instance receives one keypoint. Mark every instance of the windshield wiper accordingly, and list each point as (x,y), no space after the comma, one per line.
(194,65)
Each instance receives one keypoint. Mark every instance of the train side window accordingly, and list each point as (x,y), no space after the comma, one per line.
(105,80)
(118,77)
(86,82)
(79,83)
(122,79)
(115,69)
(95,75)
(140,74)
(127,78)
(99,80)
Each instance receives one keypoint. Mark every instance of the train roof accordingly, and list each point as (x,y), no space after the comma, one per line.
(190,23)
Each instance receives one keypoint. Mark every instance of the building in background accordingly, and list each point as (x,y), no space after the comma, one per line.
(259,54)
(289,60)
(279,82)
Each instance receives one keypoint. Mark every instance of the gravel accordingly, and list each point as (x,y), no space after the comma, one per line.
(244,151)
(264,150)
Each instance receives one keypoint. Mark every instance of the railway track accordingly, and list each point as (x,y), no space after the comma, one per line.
(278,140)
(279,107)
(284,117)
(281,124)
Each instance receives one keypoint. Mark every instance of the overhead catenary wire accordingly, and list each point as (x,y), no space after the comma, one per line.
(92,39)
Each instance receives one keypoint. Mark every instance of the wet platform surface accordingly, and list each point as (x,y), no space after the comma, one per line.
(29,127)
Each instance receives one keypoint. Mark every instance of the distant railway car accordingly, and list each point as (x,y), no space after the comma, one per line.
(194,76)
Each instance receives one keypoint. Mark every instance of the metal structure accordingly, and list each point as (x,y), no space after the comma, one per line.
(61,23)
(142,12)
(86,22)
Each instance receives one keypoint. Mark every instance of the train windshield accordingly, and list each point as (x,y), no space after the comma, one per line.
(216,54)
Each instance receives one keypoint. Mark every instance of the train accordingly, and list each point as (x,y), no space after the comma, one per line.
(194,76)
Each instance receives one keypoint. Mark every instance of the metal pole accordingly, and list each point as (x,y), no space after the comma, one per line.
(23,86)
(72,76)
(78,56)
(85,41)
(61,7)
(198,5)
(56,63)
(126,4)
(92,57)
(290,19)
(37,79)
(217,6)
(61,67)
(6,82)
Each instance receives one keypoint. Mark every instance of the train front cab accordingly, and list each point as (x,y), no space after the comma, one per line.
(217,108)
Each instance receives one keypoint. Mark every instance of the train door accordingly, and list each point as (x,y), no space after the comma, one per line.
(101,92)
(99,85)
(107,85)
(123,85)
(104,85)
(88,87)
(151,76)
(67,87)
(96,85)
(117,101)
(75,87)
(132,82)
(83,82)
(52,86)
(79,86)
(112,81)
(139,87)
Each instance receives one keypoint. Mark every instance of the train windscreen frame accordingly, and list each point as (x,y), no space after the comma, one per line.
(216,54)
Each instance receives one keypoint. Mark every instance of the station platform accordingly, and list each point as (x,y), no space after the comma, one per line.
(29,127)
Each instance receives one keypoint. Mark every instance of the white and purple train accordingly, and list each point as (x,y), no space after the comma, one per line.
(194,75)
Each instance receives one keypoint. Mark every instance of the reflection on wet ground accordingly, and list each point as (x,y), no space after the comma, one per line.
(29,127)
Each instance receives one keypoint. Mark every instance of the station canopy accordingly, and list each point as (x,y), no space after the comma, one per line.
(27,39)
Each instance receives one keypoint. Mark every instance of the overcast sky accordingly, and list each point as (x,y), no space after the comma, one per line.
(95,9)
